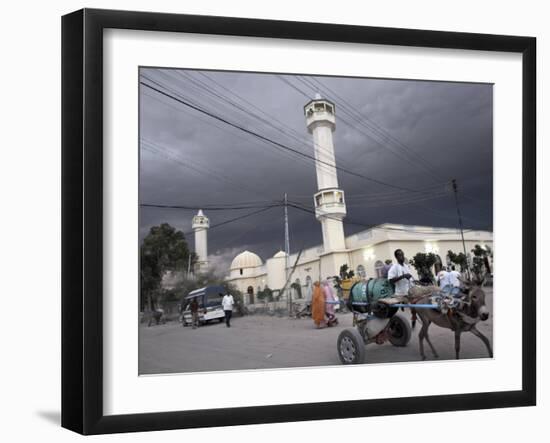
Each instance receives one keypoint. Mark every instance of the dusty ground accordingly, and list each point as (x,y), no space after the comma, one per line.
(271,342)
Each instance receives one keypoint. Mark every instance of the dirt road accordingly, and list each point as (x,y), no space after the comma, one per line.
(257,341)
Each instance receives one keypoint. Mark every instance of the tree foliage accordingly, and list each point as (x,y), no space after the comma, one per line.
(265,294)
(423,263)
(163,249)
(345,272)
(458,259)
(480,262)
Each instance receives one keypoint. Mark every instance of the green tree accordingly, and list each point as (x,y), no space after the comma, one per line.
(345,272)
(164,249)
(266,294)
(480,263)
(423,263)
(458,259)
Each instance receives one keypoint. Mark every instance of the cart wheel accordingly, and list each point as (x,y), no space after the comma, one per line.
(400,331)
(351,347)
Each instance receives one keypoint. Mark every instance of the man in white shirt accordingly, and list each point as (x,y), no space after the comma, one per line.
(453,277)
(227,303)
(400,274)
(443,278)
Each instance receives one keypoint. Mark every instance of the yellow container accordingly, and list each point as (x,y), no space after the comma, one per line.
(346,286)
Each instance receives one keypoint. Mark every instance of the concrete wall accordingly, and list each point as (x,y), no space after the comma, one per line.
(276,275)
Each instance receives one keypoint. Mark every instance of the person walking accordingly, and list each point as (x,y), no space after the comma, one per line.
(227,303)
(194,308)
(318,306)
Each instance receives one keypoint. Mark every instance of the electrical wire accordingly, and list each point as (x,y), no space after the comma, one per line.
(273,142)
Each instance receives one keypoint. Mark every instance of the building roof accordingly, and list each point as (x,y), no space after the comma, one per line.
(246,259)
(280,254)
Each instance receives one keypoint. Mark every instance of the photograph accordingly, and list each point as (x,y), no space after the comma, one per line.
(294,220)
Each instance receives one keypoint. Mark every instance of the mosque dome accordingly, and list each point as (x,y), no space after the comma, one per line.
(280,254)
(246,259)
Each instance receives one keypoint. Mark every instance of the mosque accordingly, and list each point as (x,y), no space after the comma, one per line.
(363,252)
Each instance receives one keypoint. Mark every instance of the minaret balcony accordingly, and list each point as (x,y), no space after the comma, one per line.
(330,202)
(320,110)
(200,222)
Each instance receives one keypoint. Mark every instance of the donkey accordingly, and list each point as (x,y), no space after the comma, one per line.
(464,318)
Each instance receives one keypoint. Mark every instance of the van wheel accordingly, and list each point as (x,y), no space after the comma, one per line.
(221,320)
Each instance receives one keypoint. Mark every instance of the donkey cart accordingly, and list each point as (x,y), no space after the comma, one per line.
(375,319)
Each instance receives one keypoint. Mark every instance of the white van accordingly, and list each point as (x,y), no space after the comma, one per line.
(210,305)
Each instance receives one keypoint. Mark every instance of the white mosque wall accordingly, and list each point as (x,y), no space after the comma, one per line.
(243,284)
(369,257)
(366,251)
(276,275)
(247,272)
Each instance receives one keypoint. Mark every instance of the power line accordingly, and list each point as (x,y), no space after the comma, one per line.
(284,128)
(273,142)
(250,214)
(202,170)
(206,207)
(223,119)
(223,99)
(378,130)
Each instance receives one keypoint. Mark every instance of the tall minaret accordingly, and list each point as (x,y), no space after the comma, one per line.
(330,206)
(200,226)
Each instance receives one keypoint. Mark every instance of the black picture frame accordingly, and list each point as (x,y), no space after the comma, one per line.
(82,218)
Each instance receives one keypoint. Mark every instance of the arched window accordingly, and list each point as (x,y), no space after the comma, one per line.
(297,288)
(378,268)
(241,271)
(361,271)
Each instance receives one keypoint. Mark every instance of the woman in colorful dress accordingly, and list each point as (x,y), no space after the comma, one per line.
(330,301)
(318,306)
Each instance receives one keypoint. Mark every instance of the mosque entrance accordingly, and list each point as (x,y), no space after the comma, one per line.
(250,292)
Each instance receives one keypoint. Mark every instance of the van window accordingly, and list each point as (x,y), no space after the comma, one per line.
(213,299)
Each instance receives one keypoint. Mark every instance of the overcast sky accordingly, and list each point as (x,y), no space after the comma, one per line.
(412,135)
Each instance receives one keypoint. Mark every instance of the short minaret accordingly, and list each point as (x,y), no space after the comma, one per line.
(330,206)
(201,223)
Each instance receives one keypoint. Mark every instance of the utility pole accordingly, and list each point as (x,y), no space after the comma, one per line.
(455,189)
(287,251)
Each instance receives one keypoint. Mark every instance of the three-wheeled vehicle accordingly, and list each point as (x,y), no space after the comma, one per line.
(210,305)
(375,319)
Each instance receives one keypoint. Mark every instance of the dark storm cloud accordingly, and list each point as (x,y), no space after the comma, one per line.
(437,131)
